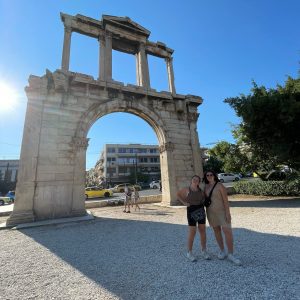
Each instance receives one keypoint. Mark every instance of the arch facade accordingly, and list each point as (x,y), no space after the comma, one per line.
(63,105)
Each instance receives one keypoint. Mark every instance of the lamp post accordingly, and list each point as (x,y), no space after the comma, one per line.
(135,169)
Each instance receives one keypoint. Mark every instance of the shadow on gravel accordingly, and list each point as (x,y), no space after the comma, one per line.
(146,260)
(281,203)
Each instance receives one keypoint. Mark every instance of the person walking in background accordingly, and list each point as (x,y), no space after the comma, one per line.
(218,215)
(127,200)
(136,197)
(193,198)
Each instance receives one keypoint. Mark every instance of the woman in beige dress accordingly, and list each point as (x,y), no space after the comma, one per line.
(218,215)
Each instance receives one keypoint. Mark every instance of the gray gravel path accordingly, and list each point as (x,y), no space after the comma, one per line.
(142,256)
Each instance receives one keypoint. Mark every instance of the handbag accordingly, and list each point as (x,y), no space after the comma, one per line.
(198,214)
(207,200)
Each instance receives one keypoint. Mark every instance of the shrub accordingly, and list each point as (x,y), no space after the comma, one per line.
(268,188)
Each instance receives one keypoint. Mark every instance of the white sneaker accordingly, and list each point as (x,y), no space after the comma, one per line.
(233,259)
(190,256)
(205,255)
(221,255)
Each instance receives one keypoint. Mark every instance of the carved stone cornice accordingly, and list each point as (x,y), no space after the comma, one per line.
(112,94)
(59,80)
(192,117)
(166,147)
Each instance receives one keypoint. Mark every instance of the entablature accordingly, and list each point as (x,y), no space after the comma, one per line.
(126,34)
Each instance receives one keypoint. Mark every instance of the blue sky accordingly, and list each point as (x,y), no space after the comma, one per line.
(220,47)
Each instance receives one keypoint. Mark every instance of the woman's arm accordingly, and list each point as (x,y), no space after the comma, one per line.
(181,196)
(226,202)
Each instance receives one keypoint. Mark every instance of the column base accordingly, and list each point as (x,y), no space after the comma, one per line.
(20,218)
(79,213)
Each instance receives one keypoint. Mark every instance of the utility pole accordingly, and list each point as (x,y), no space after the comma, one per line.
(108,171)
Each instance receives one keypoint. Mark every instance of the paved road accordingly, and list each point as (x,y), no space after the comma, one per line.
(116,196)
(7,208)
(142,256)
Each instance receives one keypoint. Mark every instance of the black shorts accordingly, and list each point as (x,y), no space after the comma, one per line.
(200,217)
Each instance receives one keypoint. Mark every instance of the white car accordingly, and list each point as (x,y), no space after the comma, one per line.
(227,177)
(155,184)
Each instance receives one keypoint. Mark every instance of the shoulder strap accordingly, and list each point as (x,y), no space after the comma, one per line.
(212,190)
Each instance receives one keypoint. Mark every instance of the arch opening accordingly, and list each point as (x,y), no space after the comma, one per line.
(127,153)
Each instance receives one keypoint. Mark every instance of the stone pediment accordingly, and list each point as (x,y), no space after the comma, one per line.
(125,23)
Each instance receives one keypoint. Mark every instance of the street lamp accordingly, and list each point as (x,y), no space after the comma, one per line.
(135,169)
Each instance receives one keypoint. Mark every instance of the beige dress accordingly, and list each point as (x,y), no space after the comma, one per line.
(216,211)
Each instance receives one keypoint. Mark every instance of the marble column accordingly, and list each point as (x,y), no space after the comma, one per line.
(169,62)
(80,146)
(143,67)
(102,57)
(66,49)
(138,75)
(108,57)
(197,158)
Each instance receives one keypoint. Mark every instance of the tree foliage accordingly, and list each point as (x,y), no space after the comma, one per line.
(226,157)
(213,163)
(269,131)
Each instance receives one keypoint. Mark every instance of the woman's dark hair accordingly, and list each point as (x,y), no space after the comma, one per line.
(215,176)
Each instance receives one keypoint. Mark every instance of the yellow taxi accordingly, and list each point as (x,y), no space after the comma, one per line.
(120,188)
(96,192)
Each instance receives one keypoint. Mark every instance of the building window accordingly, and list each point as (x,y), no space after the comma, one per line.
(154,159)
(122,160)
(143,150)
(153,150)
(122,150)
(111,159)
(122,170)
(111,150)
(143,159)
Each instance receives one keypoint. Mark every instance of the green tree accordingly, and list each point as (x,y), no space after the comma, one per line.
(140,177)
(213,163)
(227,157)
(220,150)
(269,131)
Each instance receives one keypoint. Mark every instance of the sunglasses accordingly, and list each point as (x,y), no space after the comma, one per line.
(209,175)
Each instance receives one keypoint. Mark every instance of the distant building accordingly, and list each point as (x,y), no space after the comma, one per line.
(118,161)
(9,170)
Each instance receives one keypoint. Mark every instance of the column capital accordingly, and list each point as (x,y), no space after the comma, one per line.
(169,59)
(108,34)
(168,146)
(193,116)
(68,29)
(101,38)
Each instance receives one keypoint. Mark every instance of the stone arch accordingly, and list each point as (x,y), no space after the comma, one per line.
(63,105)
(116,105)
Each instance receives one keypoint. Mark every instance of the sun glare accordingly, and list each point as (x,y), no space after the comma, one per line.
(8,97)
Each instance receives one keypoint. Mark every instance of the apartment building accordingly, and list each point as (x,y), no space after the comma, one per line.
(118,161)
(9,170)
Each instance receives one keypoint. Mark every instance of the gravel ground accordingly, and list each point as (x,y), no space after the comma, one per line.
(142,256)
